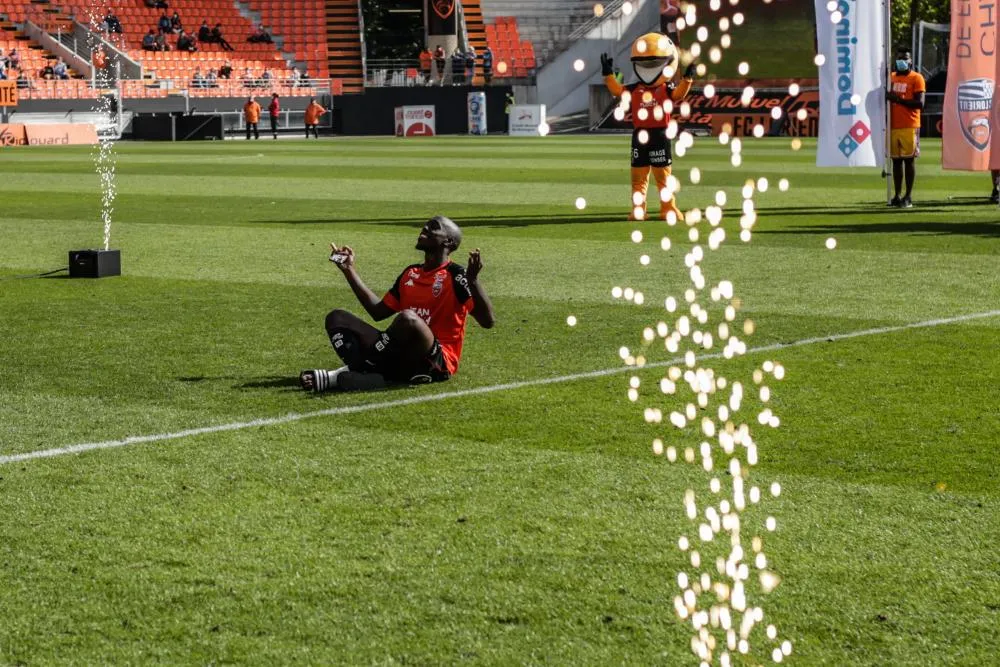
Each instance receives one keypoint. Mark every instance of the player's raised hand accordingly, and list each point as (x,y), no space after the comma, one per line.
(342,256)
(475,266)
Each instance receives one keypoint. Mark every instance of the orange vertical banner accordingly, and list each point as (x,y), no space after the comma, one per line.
(8,93)
(972,74)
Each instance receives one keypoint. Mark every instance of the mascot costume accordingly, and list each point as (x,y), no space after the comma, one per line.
(651,99)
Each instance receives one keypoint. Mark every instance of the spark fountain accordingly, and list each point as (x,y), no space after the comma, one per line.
(105,261)
(711,420)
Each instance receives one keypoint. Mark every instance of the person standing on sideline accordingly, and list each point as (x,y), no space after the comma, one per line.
(313,113)
(273,110)
(251,113)
(995,197)
(906,94)
(508,108)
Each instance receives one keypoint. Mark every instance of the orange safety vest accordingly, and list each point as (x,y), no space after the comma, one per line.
(252,112)
(313,112)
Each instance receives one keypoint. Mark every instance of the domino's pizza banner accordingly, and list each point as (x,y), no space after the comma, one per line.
(852,106)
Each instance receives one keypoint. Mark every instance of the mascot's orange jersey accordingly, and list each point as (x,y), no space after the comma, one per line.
(647,102)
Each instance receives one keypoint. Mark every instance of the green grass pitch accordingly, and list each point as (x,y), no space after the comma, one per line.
(531,525)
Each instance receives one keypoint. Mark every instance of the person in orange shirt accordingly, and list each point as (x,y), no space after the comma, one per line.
(426,58)
(906,95)
(313,113)
(251,113)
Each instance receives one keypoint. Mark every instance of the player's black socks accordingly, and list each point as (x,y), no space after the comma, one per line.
(347,345)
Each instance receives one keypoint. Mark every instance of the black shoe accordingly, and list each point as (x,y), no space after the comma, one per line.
(907,203)
(354,381)
(896,202)
(317,380)
(995,197)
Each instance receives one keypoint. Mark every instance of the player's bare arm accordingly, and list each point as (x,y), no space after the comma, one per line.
(343,257)
(482,310)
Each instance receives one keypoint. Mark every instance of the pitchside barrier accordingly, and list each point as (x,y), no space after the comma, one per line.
(726,111)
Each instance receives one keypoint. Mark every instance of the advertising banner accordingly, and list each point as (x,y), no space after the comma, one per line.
(415,121)
(852,116)
(8,93)
(525,120)
(967,119)
(477,113)
(442,17)
(64,134)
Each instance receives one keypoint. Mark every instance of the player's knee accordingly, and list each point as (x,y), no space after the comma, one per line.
(409,320)
(337,319)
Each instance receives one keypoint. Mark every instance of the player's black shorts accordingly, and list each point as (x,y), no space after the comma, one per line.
(431,368)
(655,152)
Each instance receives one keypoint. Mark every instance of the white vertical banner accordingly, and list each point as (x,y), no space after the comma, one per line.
(852,78)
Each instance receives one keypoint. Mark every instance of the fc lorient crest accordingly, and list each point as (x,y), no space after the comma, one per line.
(975,108)
(443,8)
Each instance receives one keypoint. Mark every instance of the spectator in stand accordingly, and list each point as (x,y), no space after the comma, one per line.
(457,67)
(175,24)
(226,71)
(197,79)
(23,82)
(5,60)
(3,72)
(211,80)
(186,43)
(488,65)
(15,59)
(260,35)
(156,4)
(293,78)
(114,25)
(273,111)
(160,42)
(305,80)
(164,23)
(265,78)
(205,33)
(251,113)
(47,73)
(219,39)
(60,69)
(248,79)
(426,59)
(149,41)
(313,113)
(440,58)
(470,65)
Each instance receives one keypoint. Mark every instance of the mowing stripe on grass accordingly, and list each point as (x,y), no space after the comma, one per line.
(366,407)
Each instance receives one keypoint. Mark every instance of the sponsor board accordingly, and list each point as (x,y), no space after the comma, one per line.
(415,121)
(525,119)
(477,113)
(8,93)
(852,125)
(44,134)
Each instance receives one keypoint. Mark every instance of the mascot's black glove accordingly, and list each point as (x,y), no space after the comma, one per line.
(607,65)
(690,71)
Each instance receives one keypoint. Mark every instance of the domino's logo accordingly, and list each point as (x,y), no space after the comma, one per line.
(857,135)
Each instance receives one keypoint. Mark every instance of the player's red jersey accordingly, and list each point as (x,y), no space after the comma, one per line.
(647,105)
(442,299)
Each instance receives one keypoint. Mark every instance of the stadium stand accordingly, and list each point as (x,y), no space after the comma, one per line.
(299,26)
(547,25)
(505,41)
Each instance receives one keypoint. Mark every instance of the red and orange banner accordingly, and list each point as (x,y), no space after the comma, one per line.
(972,71)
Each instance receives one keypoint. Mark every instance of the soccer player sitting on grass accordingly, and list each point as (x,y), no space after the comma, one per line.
(424,342)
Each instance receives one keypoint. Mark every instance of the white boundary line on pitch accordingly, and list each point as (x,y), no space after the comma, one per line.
(427,398)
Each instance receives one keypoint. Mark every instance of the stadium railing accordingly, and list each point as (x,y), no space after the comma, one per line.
(401,73)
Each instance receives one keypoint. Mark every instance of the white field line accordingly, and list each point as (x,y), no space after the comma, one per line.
(427,398)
